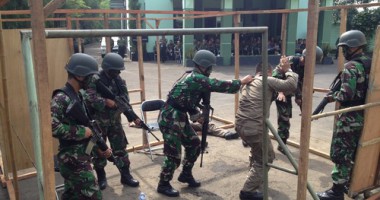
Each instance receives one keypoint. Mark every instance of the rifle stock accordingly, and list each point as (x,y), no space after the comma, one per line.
(335,86)
(122,104)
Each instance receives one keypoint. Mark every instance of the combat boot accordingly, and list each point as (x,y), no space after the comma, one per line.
(251,195)
(165,188)
(102,180)
(336,192)
(127,178)
(231,136)
(186,176)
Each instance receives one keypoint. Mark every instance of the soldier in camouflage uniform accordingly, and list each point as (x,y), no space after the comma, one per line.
(348,128)
(73,135)
(249,123)
(105,111)
(284,102)
(174,122)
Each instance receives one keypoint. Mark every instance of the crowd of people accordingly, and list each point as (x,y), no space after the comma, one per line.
(190,95)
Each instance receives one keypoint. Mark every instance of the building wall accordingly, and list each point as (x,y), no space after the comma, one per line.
(164,24)
(302,20)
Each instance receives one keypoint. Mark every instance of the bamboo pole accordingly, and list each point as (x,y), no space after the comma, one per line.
(33,107)
(345,110)
(41,71)
(307,93)
(69,27)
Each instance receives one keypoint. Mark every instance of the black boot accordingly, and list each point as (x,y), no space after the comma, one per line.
(335,193)
(102,180)
(127,179)
(251,195)
(187,177)
(165,188)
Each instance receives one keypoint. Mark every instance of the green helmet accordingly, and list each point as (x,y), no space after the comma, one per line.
(318,53)
(113,61)
(352,38)
(204,58)
(81,64)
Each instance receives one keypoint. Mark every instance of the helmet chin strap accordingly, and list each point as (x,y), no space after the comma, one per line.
(348,55)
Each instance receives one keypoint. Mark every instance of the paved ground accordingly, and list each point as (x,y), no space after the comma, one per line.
(226,164)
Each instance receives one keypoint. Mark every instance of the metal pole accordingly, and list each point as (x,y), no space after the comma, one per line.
(264,60)
(33,108)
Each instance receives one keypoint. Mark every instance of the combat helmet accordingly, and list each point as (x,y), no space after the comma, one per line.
(318,53)
(204,58)
(81,64)
(352,38)
(113,61)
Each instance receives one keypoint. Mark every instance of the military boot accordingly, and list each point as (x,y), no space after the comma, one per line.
(102,180)
(251,195)
(165,188)
(186,176)
(127,178)
(336,192)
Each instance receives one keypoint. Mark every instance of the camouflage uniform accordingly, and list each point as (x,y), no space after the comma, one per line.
(109,119)
(174,123)
(74,163)
(348,128)
(284,109)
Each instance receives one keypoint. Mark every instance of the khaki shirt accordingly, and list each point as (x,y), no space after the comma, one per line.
(250,111)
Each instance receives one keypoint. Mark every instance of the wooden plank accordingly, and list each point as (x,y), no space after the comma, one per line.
(307,94)
(11,190)
(367,156)
(42,84)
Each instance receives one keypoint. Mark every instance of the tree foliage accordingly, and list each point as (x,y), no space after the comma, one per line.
(69,4)
(365,20)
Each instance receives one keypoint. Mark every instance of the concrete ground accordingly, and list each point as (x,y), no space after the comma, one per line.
(225,166)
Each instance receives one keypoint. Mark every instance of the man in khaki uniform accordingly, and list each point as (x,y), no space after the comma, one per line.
(249,122)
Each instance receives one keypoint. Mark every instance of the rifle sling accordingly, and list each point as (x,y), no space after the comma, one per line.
(69,91)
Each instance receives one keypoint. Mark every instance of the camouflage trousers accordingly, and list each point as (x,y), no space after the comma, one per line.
(284,113)
(177,132)
(254,179)
(118,143)
(80,182)
(342,153)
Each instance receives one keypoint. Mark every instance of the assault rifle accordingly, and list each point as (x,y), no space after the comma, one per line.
(335,86)
(122,104)
(206,119)
(75,110)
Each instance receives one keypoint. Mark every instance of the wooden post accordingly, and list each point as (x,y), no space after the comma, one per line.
(141,68)
(5,120)
(342,29)
(158,60)
(108,39)
(284,23)
(237,56)
(79,40)
(307,93)
(41,71)
(69,27)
